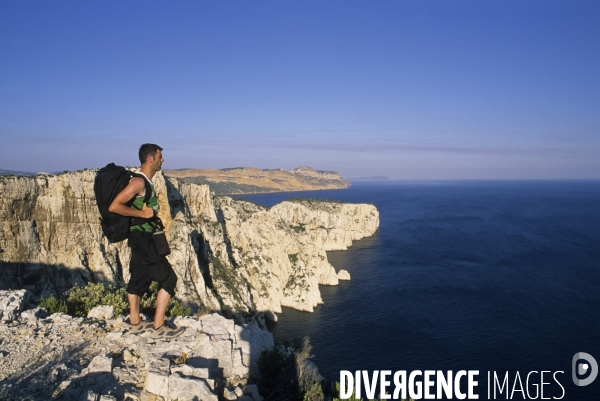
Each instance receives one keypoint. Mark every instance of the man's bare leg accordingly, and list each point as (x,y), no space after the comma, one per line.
(162,301)
(134,308)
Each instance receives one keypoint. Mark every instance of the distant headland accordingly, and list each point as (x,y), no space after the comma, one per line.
(244,180)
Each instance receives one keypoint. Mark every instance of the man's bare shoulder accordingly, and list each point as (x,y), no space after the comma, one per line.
(136,185)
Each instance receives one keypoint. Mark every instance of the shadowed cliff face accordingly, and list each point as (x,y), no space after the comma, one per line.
(228,254)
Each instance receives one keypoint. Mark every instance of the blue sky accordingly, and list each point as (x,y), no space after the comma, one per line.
(408,89)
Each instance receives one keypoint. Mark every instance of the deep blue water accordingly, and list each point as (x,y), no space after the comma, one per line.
(489,276)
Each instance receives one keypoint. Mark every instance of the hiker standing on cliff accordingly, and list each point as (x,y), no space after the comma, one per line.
(147,264)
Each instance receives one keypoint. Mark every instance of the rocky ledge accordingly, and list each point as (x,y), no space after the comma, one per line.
(60,357)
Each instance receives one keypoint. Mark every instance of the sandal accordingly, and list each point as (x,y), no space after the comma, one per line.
(164,331)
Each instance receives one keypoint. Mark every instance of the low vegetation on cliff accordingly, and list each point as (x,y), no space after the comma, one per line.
(79,301)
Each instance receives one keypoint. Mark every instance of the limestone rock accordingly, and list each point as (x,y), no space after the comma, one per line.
(32,315)
(229,395)
(343,275)
(281,252)
(69,359)
(100,364)
(146,396)
(157,379)
(186,388)
(88,396)
(103,312)
(252,391)
(12,303)
(270,315)
(252,340)
(62,319)
(189,322)
(217,327)
(190,371)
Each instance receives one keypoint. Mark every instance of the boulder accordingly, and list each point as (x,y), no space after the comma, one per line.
(188,388)
(157,379)
(343,275)
(100,364)
(229,395)
(102,312)
(32,315)
(252,391)
(12,303)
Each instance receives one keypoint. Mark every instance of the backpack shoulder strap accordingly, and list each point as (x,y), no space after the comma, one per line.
(148,192)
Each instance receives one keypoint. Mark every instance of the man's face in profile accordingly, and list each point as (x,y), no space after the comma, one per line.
(157,161)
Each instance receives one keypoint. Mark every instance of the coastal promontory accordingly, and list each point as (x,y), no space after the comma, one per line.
(242,180)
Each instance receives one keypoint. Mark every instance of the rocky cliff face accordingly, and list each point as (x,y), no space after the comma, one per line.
(228,254)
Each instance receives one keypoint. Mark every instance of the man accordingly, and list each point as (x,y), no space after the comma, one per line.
(146,265)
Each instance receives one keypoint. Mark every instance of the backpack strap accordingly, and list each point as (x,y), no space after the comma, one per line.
(147,195)
(148,192)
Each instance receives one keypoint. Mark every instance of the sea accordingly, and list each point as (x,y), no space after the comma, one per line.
(500,277)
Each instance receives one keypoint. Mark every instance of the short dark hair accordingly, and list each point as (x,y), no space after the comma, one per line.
(148,149)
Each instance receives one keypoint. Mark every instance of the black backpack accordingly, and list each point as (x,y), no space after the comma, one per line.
(109,182)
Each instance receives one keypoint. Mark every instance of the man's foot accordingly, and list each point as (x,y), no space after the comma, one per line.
(167,330)
(140,327)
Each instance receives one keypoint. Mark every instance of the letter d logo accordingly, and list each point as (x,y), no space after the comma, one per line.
(583,368)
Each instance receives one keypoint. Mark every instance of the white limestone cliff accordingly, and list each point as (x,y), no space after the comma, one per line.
(228,254)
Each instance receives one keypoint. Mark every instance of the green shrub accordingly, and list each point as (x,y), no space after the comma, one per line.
(278,374)
(309,379)
(148,304)
(287,374)
(118,299)
(148,301)
(53,305)
(81,300)
(176,309)
(225,276)
(315,393)
(293,257)
(300,228)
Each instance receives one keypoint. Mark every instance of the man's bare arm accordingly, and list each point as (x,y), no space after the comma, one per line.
(119,204)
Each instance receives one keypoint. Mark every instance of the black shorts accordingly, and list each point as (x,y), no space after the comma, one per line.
(147,266)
